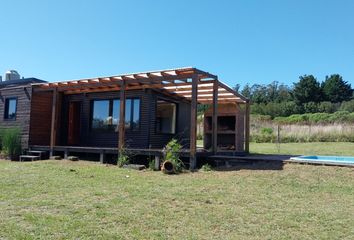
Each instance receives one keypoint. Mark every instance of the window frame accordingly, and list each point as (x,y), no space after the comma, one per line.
(115,128)
(6,108)
(176,120)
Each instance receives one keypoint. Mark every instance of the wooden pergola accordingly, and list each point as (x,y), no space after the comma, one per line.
(187,84)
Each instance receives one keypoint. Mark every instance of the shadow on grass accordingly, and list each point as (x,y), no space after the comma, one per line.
(255,165)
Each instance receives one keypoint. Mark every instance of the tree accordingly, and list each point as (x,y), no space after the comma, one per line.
(307,90)
(259,93)
(335,89)
(246,91)
(237,87)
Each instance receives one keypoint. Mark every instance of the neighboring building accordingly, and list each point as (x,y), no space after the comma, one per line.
(15,105)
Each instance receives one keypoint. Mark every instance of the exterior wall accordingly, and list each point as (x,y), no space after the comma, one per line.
(145,137)
(41,115)
(234,134)
(22,121)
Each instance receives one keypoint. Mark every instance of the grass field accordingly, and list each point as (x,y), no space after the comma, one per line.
(83,200)
(314,148)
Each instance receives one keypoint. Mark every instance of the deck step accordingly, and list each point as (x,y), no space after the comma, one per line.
(29,157)
(73,158)
(40,154)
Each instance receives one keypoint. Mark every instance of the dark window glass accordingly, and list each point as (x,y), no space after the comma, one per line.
(110,110)
(166,117)
(10,108)
(116,111)
(101,118)
(128,113)
(136,114)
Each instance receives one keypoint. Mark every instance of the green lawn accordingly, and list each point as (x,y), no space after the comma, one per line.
(82,200)
(314,148)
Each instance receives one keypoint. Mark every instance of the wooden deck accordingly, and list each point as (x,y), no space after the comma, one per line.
(102,151)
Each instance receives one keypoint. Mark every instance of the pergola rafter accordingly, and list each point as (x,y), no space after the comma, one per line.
(173,82)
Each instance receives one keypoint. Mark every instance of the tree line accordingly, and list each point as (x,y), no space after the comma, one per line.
(308,95)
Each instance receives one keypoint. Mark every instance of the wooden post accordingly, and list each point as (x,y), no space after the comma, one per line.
(215,117)
(53,123)
(236,127)
(102,157)
(247,127)
(157,163)
(193,125)
(121,129)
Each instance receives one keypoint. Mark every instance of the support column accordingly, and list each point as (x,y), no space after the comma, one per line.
(121,128)
(215,117)
(193,125)
(157,163)
(53,131)
(247,127)
(238,139)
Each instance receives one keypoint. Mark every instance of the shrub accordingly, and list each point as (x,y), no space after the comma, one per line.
(206,168)
(327,107)
(267,131)
(11,142)
(347,106)
(319,117)
(311,107)
(152,164)
(262,138)
(172,153)
(123,158)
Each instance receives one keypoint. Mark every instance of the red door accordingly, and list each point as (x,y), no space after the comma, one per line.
(74,123)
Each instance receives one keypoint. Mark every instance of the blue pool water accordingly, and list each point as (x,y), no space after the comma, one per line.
(336,160)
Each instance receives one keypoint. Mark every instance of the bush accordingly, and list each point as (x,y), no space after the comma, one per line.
(319,117)
(123,158)
(337,117)
(327,107)
(262,138)
(347,106)
(172,153)
(152,164)
(311,107)
(206,168)
(267,131)
(11,142)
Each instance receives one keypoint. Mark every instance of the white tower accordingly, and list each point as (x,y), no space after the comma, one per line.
(12,75)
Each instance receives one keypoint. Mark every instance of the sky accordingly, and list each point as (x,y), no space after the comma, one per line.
(241,41)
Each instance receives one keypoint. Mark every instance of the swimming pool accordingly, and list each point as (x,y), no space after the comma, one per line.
(330,160)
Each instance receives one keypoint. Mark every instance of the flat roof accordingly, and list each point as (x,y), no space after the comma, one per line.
(19,82)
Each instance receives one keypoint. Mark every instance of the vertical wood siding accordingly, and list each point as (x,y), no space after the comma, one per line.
(41,115)
(22,121)
(145,137)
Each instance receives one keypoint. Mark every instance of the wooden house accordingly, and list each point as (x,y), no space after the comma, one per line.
(139,111)
(15,105)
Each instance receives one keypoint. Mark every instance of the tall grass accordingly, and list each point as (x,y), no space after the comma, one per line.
(11,142)
(269,131)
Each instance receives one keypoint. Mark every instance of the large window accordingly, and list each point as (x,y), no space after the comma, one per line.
(10,108)
(166,117)
(105,114)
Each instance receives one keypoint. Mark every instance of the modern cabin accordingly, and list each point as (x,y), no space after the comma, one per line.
(141,112)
